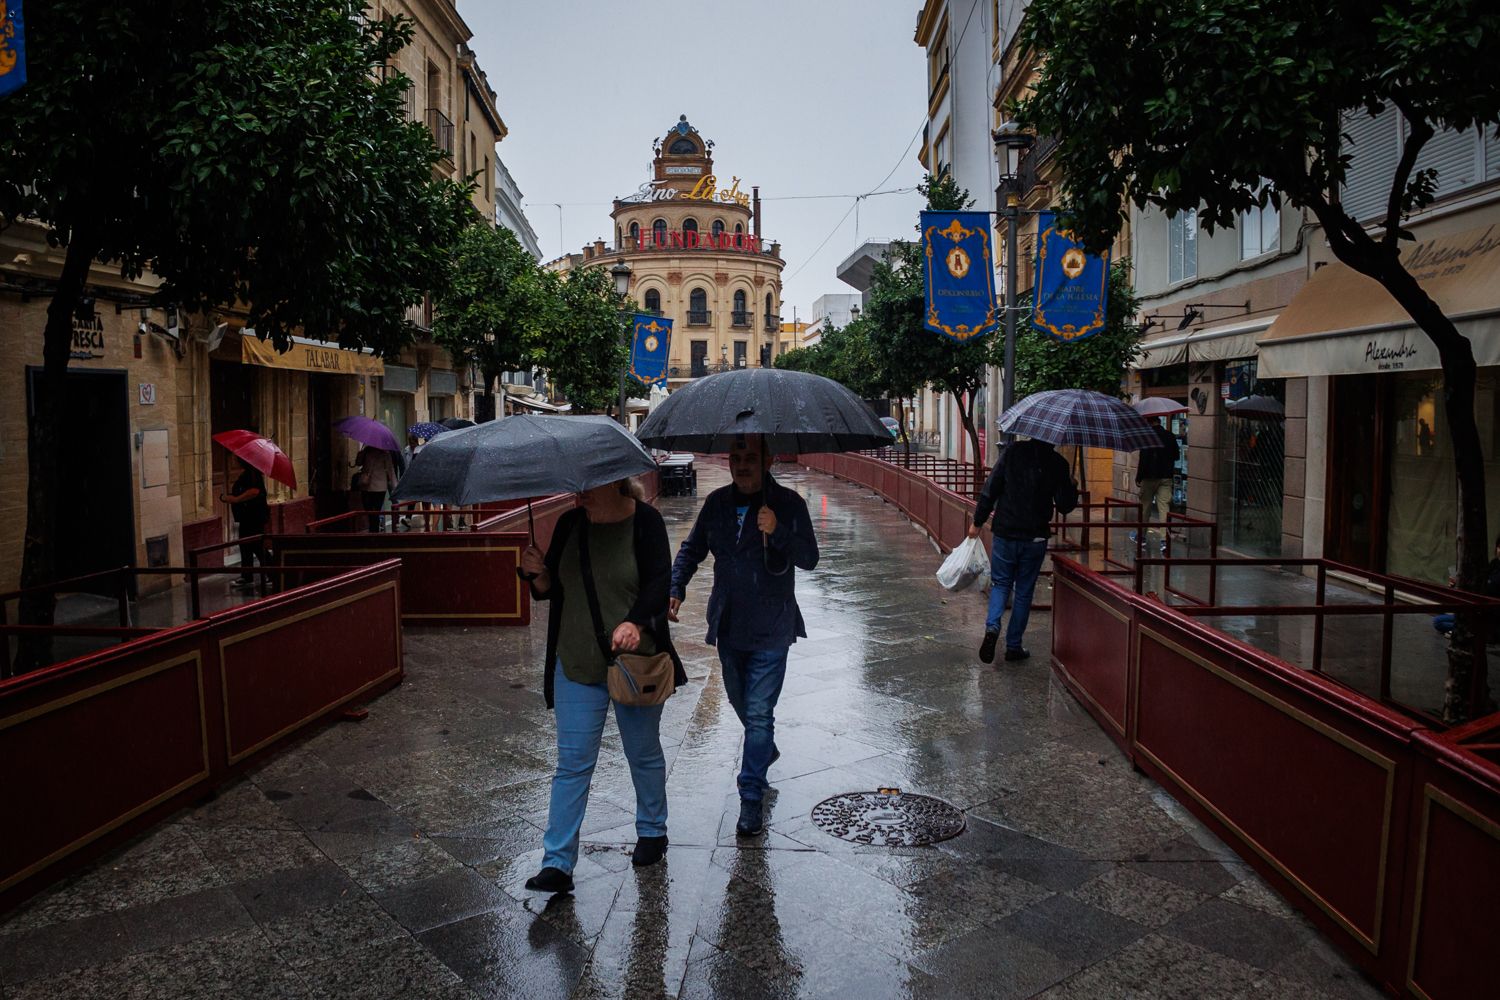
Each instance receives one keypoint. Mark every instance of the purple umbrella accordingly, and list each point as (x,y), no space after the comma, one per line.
(1078,416)
(369,431)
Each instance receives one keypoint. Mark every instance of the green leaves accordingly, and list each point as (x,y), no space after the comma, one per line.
(242,151)
(1097,363)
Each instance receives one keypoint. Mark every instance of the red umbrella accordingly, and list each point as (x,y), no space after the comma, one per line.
(260,454)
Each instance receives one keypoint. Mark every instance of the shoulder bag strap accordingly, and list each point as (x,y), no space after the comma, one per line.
(593,595)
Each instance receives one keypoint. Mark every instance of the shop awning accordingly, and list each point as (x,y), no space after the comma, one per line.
(1220,342)
(1343,323)
(309,356)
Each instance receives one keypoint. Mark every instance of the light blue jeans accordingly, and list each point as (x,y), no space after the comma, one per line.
(752,680)
(1014,562)
(580,711)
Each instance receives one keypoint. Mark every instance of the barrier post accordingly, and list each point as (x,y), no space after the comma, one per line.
(122,596)
(1317,663)
(1386,624)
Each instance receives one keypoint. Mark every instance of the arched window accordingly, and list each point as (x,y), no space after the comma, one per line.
(653,301)
(659,232)
(739,234)
(698,308)
(690,232)
(770,311)
(718,228)
(741,315)
(635,233)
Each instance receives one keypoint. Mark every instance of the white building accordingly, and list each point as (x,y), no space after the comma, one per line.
(837,310)
(508,211)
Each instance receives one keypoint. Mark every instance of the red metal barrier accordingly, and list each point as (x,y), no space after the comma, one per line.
(1385,833)
(102,746)
(447,577)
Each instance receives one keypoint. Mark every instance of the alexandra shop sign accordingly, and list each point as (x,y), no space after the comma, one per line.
(705,190)
(1344,323)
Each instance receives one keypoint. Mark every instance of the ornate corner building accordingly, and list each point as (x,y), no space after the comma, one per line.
(694,245)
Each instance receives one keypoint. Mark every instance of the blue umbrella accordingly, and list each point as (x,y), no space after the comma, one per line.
(426,430)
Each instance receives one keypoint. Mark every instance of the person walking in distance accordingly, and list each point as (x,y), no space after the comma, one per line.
(1028,483)
(1153,480)
(377,476)
(247,502)
(760,533)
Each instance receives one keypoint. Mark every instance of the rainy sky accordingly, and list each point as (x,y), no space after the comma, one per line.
(802,97)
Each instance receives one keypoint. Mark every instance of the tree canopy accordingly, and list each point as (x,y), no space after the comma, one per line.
(493,293)
(1098,362)
(579,338)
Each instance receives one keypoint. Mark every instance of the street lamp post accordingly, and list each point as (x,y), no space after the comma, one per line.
(621,274)
(1010,144)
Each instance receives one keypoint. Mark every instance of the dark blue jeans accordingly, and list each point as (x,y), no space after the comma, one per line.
(752,680)
(1014,562)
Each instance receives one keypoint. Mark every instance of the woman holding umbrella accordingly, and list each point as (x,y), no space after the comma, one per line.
(616,544)
(247,502)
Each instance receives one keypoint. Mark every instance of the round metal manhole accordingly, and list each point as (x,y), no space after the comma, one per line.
(888,818)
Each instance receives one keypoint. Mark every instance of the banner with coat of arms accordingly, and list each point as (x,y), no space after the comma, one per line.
(1071,298)
(12,46)
(959,273)
(650,341)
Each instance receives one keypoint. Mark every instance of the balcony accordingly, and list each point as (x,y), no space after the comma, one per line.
(773,323)
(740,319)
(1034,161)
(700,369)
(442,131)
(700,318)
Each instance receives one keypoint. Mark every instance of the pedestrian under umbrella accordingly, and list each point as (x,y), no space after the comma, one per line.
(367,431)
(426,430)
(1079,417)
(456,423)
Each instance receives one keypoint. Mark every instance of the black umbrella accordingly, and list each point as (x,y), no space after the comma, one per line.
(523,456)
(457,423)
(797,412)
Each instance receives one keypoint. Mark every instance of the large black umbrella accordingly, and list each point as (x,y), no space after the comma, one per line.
(523,456)
(797,412)
(456,423)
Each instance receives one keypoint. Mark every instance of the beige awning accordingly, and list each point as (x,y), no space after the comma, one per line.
(1220,342)
(309,356)
(1343,323)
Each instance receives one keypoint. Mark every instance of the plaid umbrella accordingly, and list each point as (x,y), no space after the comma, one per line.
(1078,416)
(427,430)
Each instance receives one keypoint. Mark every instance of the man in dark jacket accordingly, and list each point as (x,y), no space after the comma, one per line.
(1028,482)
(758,531)
(1153,477)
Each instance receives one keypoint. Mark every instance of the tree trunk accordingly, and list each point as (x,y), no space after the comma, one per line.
(485,406)
(901,409)
(39,552)
(1459,376)
(966,414)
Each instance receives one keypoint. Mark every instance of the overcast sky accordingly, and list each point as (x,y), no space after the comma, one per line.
(801,97)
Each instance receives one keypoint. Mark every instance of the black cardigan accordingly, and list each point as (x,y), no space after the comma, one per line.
(653,560)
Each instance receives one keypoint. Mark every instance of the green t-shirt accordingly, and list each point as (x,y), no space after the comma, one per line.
(618,583)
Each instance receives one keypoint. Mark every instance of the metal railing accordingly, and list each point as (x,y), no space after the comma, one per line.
(773,323)
(740,319)
(442,130)
(700,318)
(1029,170)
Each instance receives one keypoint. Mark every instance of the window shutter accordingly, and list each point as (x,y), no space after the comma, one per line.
(1190,243)
(1174,248)
(1374,149)
(1491,153)
(1455,157)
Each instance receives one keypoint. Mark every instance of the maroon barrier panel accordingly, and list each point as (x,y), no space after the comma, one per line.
(447,577)
(1386,834)
(104,745)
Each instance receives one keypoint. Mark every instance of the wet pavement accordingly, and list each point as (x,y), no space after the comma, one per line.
(385,858)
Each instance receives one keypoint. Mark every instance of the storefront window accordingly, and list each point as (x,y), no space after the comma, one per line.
(1422,519)
(1253,461)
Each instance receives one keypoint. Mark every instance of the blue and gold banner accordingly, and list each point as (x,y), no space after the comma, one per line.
(959,274)
(12,46)
(1072,287)
(650,341)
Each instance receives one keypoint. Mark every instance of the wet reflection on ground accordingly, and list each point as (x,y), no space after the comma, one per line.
(386,858)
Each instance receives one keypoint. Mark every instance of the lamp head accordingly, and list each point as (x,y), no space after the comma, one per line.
(1010,144)
(621,275)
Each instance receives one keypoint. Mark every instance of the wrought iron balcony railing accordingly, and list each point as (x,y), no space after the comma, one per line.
(702,318)
(442,130)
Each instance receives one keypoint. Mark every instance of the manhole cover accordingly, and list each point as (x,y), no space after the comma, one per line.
(888,818)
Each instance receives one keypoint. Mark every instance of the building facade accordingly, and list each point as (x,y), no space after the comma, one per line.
(696,253)
(509,213)
(837,309)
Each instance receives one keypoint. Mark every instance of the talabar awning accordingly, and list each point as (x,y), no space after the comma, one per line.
(1220,342)
(1343,323)
(309,356)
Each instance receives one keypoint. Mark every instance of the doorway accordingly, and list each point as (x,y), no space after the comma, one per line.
(320,444)
(231,407)
(1354,527)
(95,498)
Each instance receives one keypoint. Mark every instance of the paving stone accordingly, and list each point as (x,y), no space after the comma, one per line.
(441,899)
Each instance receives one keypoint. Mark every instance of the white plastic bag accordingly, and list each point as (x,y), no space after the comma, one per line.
(964,565)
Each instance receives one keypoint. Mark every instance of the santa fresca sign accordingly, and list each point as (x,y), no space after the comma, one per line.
(705,190)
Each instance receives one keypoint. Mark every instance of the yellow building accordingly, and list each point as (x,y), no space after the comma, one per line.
(693,242)
(792,333)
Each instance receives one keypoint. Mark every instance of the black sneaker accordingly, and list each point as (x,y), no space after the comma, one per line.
(549,879)
(648,851)
(987,647)
(750,822)
(1011,655)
